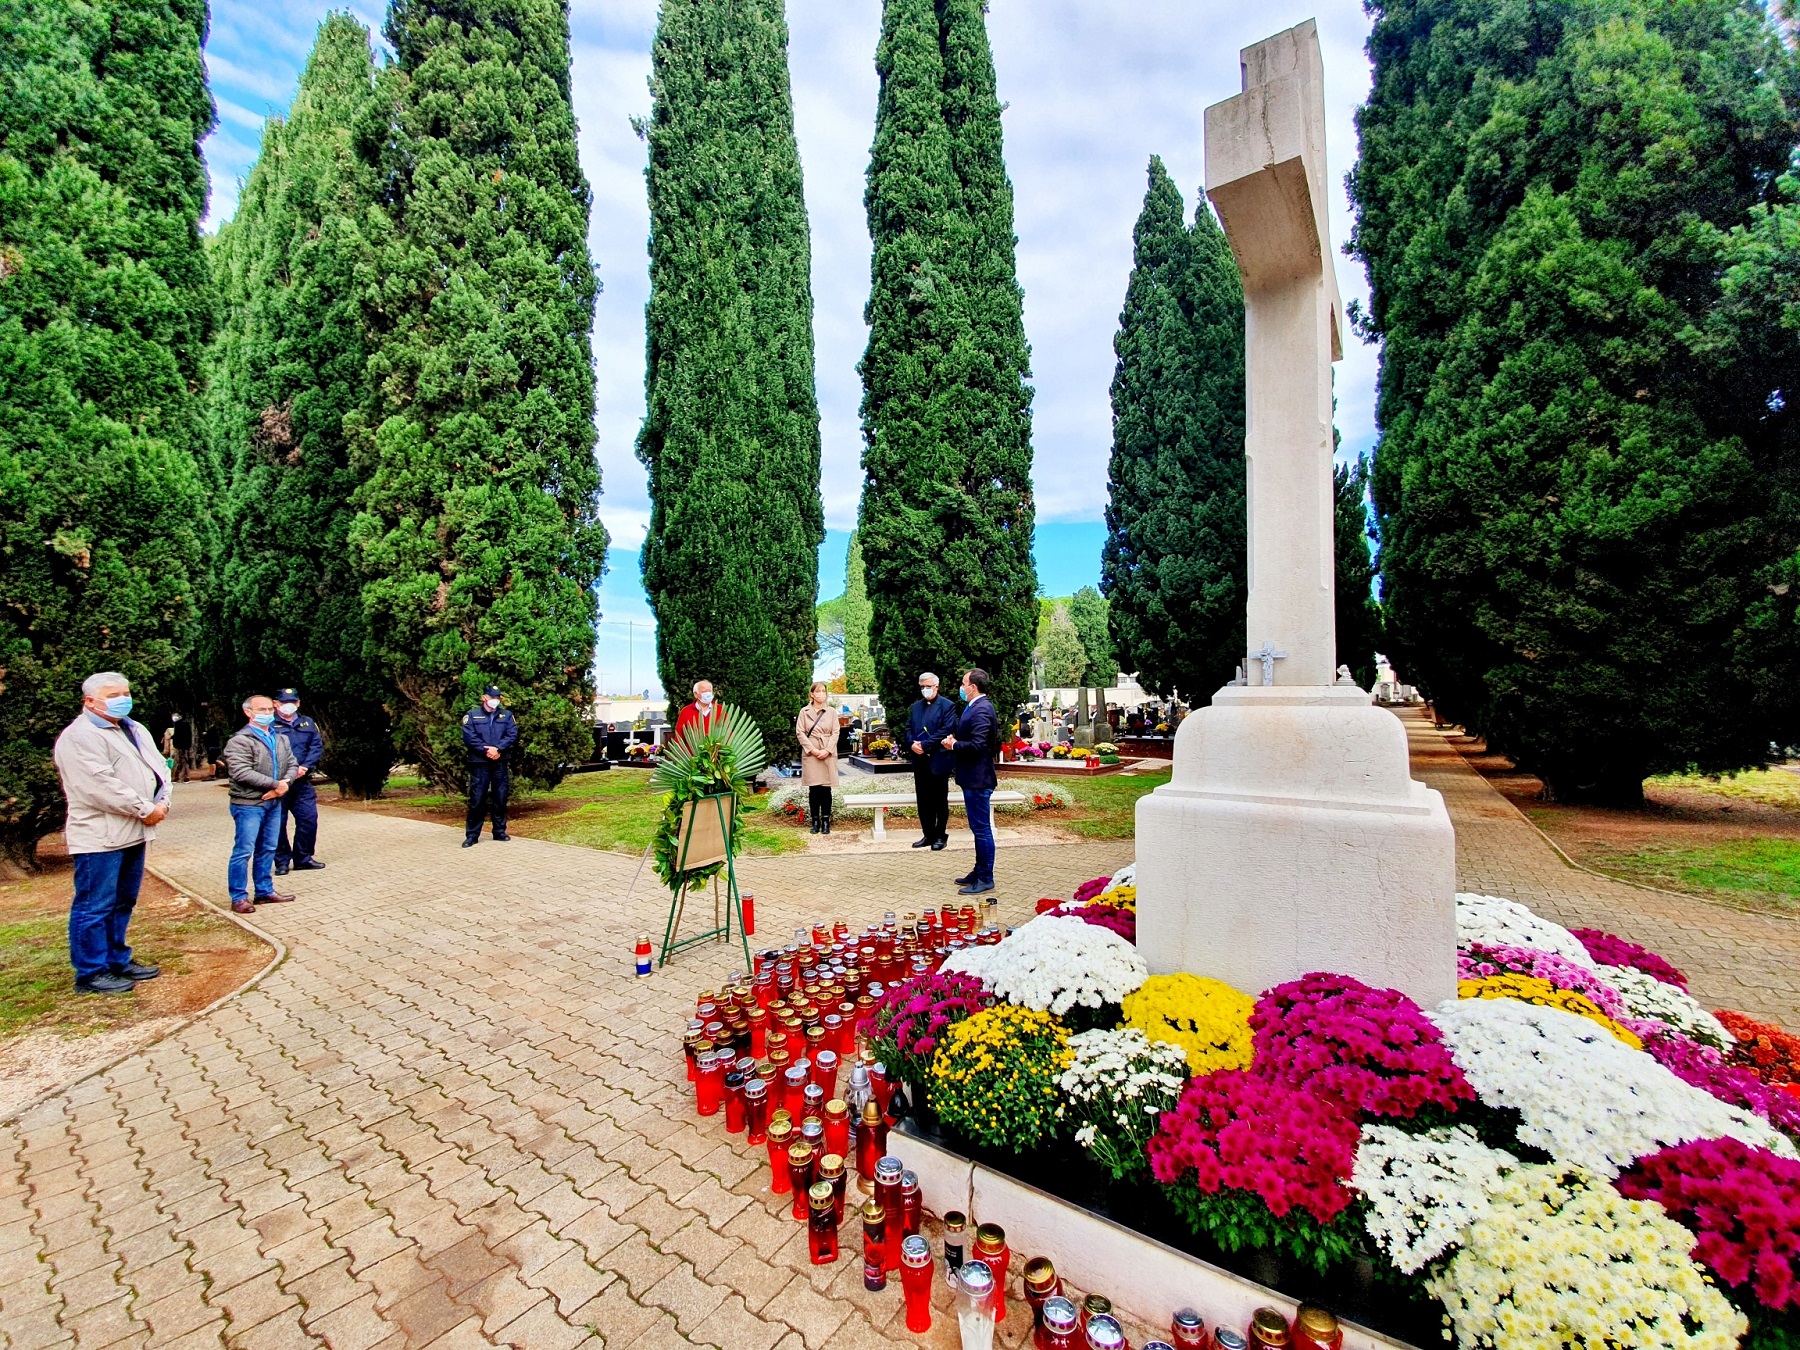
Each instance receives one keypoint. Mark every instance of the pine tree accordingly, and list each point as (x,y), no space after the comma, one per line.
(1586,507)
(1059,649)
(946,517)
(731,432)
(1358,617)
(1172,568)
(1088,611)
(286,369)
(477,535)
(105,308)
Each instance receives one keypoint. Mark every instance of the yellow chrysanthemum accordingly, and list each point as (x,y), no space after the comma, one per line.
(1534,989)
(994,1076)
(1124,897)
(1208,1019)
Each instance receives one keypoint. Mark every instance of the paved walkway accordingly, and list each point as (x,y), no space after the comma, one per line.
(452,1118)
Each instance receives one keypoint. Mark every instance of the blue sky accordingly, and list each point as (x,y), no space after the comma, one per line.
(1093,88)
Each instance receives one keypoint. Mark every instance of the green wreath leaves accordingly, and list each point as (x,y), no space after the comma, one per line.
(694,763)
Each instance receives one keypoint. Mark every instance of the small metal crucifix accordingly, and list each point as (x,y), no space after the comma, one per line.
(1268,656)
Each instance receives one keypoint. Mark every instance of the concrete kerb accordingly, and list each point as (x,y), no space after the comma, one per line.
(107,1065)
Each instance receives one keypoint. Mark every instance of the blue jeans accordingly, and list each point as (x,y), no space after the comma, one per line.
(977,802)
(106,889)
(258,826)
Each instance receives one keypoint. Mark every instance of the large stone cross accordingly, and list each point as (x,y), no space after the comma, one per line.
(1265,172)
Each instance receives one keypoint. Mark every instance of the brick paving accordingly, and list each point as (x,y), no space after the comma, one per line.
(452,1118)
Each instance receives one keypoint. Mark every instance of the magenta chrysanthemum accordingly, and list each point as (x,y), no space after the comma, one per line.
(1611,950)
(1373,1050)
(910,1017)
(1121,921)
(1707,1069)
(1742,1203)
(1233,1129)
(1480,961)
(1089,889)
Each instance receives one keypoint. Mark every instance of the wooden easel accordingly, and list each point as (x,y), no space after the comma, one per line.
(708,827)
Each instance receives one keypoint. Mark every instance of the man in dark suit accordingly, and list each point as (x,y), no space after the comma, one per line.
(489,734)
(976,742)
(931,719)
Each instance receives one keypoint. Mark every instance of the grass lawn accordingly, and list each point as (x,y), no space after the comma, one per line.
(1770,787)
(1760,870)
(613,810)
(1105,807)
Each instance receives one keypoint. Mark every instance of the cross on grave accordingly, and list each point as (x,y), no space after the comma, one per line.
(1265,172)
(1268,656)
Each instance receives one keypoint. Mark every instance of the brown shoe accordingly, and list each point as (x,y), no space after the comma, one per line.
(273,898)
(242,907)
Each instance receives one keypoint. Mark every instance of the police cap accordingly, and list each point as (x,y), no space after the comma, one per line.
(492,691)
(287,695)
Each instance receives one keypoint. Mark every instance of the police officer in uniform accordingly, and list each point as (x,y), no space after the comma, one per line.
(301,802)
(489,732)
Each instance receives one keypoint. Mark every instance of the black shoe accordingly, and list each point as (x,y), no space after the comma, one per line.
(977,888)
(962,881)
(105,983)
(502,837)
(924,843)
(308,865)
(815,825)
(137,970)
(281,869)
(937,845)
(827,829)
(472,841)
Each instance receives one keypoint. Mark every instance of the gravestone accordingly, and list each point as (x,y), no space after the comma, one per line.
(1291,836)
(1083,737)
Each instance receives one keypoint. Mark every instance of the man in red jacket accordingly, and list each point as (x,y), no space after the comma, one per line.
(701,711)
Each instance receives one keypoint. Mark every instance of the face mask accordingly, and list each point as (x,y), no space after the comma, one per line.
(928,692)
(288,709)
(490,703)
(262,719)
(706,697)
(119,705)
(964,691)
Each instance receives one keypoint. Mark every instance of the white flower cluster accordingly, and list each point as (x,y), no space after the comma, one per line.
(1123,1076)
(1652,1000)
(1562,1259)
(1055,963)
(1125,876)
(1585,1097)
(1504,923)
(1425,1190)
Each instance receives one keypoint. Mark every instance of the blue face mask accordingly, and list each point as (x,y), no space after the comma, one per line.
(119,705)
(262,719)
(963,690)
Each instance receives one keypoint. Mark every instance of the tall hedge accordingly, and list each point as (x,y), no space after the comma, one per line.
(105,308)
(731,431)
(947,515)
(478,536)
(1357,615)
(1172,567)
(287,367)
(1585,487)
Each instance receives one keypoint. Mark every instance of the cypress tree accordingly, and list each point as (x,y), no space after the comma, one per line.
(731,430)
(1172,567)
(946,517)
(1088,611)
(1358,617)
(1586,506)
(1059,647)
(105,308)
(477,533)
(859,666)
(286,369)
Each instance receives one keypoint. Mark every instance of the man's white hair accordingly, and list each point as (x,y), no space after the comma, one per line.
(251,701)
(698,683)
(927,678)
(104,679)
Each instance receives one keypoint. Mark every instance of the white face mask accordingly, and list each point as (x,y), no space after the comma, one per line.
(490,703)
(928,692)
(287,709)
(706,697)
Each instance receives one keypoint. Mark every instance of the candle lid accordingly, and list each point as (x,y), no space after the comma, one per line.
(871,1112)
(831,1165)
(909,1181)
(1097,1305)
(991,1237)
(1316,1321)
(837,1109)
(1270,1326)
(889,1170)
(873,1213)
(1040,1275)
(755,1087)
(1157,1345)
(800,1154)
(780,1129)
(955,1221)
(1188,1319)
(1060,1315)
(1227,1339)
(1104,1332)
(819,1195)
(976,1278)
(915,1251)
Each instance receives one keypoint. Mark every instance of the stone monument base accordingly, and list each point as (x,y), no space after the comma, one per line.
(1292,838)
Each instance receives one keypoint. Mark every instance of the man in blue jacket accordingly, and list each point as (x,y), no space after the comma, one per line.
(489,732)
(301,801)
(931,719)
(976,742)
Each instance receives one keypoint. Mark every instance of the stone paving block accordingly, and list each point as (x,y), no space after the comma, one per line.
(732,1326)
(281,1332)
(541,1328)
(354,1326)
(571,1280)
(326,1289)
(807,1311)
(638,1263)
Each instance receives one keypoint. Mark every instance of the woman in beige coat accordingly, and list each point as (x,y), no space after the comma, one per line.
(817,728)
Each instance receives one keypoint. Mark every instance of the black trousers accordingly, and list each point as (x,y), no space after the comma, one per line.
(818,802)
(301,802)
(490,784)
(932,790)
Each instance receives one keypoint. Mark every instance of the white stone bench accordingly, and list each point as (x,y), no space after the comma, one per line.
(882,801)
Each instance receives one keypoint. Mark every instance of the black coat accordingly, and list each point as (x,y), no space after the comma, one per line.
(928,724)
(977,745)
(481,729)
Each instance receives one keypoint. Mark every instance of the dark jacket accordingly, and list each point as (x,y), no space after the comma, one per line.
(482,729)
(928,724)
(977,744)
(302,736)
(253,769)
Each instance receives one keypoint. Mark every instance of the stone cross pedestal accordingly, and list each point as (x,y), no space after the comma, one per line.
(1291,837)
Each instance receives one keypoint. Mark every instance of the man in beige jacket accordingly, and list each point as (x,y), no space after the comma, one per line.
(117,787)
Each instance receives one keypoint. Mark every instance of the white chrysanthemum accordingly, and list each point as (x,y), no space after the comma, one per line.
(1651,1000)
(1125,876)
(1585,1097)
(1504,923)
(1562,1259)
(1056,963)
(1424,1190)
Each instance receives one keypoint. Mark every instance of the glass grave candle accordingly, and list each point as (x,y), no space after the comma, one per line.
(1187,1329)
(837,1127)
(690,1041)
(759,1032)
(913,1216)
(821,1225)
(1227,1339)
(871,1141)
(991,1248)
(831,1169)
(1316,1329)
(975,1306)
(887,1190)
(1060,1326)
(781,1134)
(882,1087)
(709,1091)
(800,1177)
(874,1219)
(1269,1330)
(1105,1333)
(734,1102)
(825,1073)
(1041,1284)
(915,1281)
(956,1226)
(756,1111)
(794,1088)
